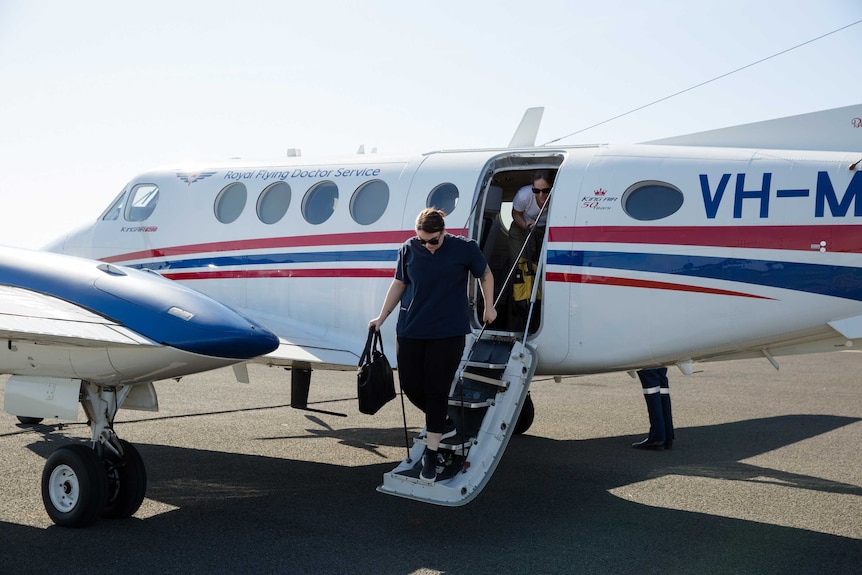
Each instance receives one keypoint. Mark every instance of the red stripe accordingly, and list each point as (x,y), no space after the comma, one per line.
(838,238)
(288,273)
(362,238)
(629,282)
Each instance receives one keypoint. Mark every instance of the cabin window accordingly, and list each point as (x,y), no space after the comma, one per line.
(230,202)
(142,201)
(319,202)
(113,212)
(273,202)
(443,197)
(369,201)
(651,200)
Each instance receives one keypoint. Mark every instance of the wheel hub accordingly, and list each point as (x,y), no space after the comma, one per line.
(64,489)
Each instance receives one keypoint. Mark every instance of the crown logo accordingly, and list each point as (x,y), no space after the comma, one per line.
(600,192)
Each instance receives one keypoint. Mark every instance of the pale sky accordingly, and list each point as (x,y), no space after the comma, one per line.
(94,92)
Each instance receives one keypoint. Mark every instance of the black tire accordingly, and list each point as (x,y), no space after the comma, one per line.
(29,420)
(127,482)
(525,419)
(74,486)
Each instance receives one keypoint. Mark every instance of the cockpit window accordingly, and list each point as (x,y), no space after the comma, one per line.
(142,201)
(369,201)
(443,197)
(652,200)
(113,212)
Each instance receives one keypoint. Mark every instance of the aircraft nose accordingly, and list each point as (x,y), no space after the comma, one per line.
(228,334)
(180,317)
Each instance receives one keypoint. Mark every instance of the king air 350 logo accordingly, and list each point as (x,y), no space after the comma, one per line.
(190,178)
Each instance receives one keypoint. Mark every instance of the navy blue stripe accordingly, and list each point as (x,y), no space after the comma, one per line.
(274,259)
(838,281)
(792,193)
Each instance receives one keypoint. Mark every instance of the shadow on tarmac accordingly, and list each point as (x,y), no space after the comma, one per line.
(547,510)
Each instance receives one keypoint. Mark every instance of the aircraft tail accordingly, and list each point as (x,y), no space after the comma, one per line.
(838,129)
(525,134)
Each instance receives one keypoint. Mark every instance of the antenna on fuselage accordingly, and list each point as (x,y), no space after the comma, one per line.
(294,152)
(528,129)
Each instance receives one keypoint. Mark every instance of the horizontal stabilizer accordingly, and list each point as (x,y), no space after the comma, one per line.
(838,129)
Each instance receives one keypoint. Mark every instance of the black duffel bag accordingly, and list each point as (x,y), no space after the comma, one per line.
(374,381)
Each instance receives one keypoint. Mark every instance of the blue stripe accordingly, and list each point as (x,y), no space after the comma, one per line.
(274,259)
(838,281)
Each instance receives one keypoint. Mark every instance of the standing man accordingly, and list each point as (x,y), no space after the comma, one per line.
(657,395)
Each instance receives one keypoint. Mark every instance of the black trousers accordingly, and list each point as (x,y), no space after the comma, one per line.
(426,368)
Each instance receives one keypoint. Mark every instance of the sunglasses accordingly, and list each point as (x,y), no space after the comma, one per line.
(432,241)
(541,190)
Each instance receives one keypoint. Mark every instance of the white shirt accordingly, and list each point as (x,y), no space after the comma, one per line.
(525,202)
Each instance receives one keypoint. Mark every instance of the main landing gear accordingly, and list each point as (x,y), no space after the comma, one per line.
(80,483)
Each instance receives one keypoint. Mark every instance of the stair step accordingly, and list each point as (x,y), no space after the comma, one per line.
(457,444)
(500,366)
(470,376)
(475,395)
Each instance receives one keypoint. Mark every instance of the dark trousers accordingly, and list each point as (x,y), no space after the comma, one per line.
(426,369)
(657,395)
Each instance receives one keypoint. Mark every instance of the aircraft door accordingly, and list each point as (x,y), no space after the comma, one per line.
(447,182)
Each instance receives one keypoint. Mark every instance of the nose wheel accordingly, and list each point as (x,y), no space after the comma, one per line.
(74,486)
(79,485)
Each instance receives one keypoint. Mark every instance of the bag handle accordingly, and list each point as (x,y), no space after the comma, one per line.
(366,353)
(378,341)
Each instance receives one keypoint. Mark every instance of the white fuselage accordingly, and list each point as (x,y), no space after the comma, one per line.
(654,254)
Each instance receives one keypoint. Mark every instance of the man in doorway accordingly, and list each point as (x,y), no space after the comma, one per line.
(529,213)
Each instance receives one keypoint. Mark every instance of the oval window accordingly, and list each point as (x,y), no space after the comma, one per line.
(273,202)
(230,202)
(443,197)
(319,202)
(652,200)
(369,201)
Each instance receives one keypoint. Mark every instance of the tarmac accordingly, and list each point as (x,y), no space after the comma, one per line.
(765,477)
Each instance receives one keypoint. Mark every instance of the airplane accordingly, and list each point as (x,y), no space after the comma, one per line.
(744,242)
(81,330)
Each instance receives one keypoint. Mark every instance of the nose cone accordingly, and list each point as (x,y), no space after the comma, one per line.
(180,317)
(145,302)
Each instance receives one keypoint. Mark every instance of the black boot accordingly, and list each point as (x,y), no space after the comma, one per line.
(651,383)
(666,414)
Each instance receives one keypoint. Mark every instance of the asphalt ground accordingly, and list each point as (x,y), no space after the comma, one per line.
(765,477)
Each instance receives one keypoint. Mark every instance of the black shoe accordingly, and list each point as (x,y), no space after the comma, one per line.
(429,467)
(450,430)
(649,444)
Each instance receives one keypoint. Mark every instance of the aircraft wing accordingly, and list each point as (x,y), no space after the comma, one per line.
(838,129)
(300,345)
(30,316)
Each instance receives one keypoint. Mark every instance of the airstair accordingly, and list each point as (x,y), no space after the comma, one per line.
(485,400)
